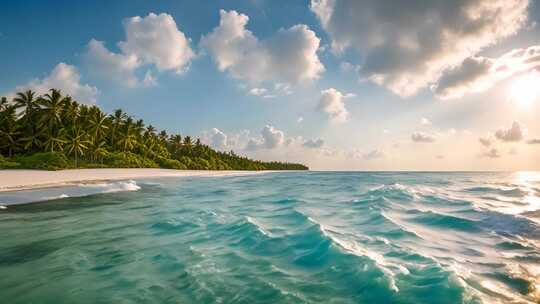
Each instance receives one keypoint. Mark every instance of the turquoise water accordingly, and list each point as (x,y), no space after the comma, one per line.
(277,238)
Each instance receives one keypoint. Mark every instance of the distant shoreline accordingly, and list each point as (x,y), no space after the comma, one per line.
(17,180)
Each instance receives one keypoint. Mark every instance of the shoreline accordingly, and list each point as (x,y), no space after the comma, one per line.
(19,180)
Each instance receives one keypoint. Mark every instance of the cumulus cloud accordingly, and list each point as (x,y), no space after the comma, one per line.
(477,74)
(425,122)
(469,77)
(422,137)
(117,67)
(332,103)
(258,91)
(406,45)
(271,138)
(149,79)
(313,143)
(515,133)
(486,141)
(218,139)
(155,39)
(289,56)
(151,40)
(64,77)
(492,153)
(374,154)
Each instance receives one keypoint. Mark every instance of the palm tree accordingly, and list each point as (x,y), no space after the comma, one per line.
(27,102)
(98,125)
(9,138)
(117,121)
(3,103)
(187,141)
(71,111)
(176,142)
(147,147)
(54,141)
(128,141)
(31,141)
(77,143)
(53,106)
(139,127)
(98,150)
(163,136)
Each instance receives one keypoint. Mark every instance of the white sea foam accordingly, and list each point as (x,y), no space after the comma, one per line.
(79,190)
(350,246)
(130,185)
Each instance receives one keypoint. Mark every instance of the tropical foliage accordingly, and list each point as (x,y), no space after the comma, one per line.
(53,131)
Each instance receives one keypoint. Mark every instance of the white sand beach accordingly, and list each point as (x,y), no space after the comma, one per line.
(12,180)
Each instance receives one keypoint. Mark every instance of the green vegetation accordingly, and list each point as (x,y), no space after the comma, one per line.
(53,132)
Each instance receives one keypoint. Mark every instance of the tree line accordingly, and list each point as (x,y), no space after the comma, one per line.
(54,131)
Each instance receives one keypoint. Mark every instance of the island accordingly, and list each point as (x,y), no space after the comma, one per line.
(54,132)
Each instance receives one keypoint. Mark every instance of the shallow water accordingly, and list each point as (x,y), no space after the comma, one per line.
(309,237)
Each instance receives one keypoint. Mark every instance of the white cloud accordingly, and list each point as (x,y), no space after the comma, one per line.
(492,153)
(374,154)
(149,79)
(151,40)
(289,56)
(272,137)
(66,78)
(155,39)
(422,137)
(258,91)
(313,144)
(515,133)
(218,139)
(486,141)
(425,122)
(465,78)
(117,67)
(332,103)
(406,45)
(477,74)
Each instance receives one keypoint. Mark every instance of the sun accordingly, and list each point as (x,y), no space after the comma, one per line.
(526,89)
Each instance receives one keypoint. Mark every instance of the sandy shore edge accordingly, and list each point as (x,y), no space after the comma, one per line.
(16,180)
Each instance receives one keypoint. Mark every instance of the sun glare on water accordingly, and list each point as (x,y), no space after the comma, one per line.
(525,90)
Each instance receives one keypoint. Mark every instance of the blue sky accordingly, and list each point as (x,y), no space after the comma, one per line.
(347,84)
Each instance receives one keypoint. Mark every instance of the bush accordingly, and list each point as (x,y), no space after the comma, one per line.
(44,161)
(171,164)
(128,160)
(6,163)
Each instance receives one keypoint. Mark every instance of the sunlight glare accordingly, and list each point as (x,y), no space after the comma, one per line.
(525,90)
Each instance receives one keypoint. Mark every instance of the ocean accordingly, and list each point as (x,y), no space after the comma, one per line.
(297,237)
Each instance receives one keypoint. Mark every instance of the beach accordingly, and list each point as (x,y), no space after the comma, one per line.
(13,180)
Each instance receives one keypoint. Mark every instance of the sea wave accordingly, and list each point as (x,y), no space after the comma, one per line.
(313,237)
(65,192)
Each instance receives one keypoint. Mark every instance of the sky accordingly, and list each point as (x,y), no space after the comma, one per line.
(334,84)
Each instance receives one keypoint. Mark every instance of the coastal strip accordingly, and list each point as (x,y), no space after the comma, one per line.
(14,180)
